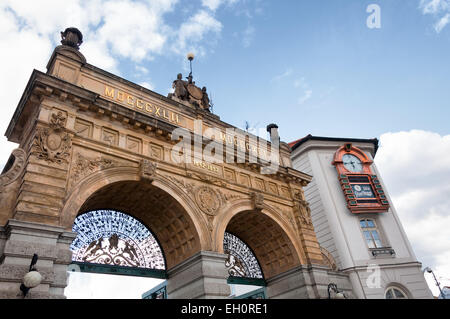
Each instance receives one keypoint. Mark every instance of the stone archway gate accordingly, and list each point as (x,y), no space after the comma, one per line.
(80,129)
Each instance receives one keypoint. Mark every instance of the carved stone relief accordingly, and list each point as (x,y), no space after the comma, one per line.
(257,200)
(84,166)
(16,169)
(147,170)
(53,144)
(285,214)
(207,179)
(207,200)
(181,183)
(328,259)
(302,210)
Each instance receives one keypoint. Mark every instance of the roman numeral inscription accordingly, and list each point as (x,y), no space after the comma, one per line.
(137,103)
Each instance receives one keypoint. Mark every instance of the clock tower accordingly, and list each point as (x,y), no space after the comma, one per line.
(356,224)
(361,187)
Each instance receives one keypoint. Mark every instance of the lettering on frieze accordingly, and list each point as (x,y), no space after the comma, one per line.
(140,104)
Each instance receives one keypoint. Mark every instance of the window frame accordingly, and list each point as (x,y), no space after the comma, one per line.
(392,289)
(377,228)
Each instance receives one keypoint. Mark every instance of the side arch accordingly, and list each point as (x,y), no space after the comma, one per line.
(275,242)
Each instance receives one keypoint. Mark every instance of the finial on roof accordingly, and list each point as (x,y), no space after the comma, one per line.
(72,37)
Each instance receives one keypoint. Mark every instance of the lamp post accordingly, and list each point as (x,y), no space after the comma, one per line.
(337,293)
(428,270)
(31,279)
(190,56)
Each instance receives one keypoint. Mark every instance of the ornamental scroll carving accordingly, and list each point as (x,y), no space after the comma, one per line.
(302,210)
(53,144)
(207,179)
(16,169)
(328,259)
(84,166)
(147,170)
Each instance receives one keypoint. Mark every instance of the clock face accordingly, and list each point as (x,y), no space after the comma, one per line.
(352,163)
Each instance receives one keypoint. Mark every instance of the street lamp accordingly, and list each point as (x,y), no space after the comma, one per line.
(31,279)
(428,270)
(190,56)
(337,293)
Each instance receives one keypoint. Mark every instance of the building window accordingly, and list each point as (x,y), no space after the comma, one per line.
(395,293)
(371,233)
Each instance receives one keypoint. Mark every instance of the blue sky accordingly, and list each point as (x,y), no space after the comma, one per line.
(397,74)
(311,66)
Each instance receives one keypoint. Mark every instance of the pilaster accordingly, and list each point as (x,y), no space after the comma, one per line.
(21,241)
(306,283)
(202,276)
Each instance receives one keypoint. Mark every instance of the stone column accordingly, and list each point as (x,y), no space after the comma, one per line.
(202,276)
(21,241)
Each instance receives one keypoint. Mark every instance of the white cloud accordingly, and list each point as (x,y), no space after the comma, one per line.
(147,85)
(305,97)
(192,32)
(437,8)
(141,69)
(434,6)
(248,35)
(113,30)
(133,29)
(442,23)
(302,85)
(17,63)
(213,5)
(283,75)
(415,166)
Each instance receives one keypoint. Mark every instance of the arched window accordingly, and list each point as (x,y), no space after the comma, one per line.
(371,233)
(395,293)
(112,238)
(241,260)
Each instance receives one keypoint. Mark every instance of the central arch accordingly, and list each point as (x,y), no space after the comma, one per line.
(159,211)
(158,205)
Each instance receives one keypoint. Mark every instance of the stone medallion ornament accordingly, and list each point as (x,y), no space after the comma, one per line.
(208,200)
(53,144)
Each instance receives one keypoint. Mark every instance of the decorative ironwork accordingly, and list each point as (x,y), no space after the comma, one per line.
(113,238)
(256,294)
(241,261)
(158,292)
(382,251)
